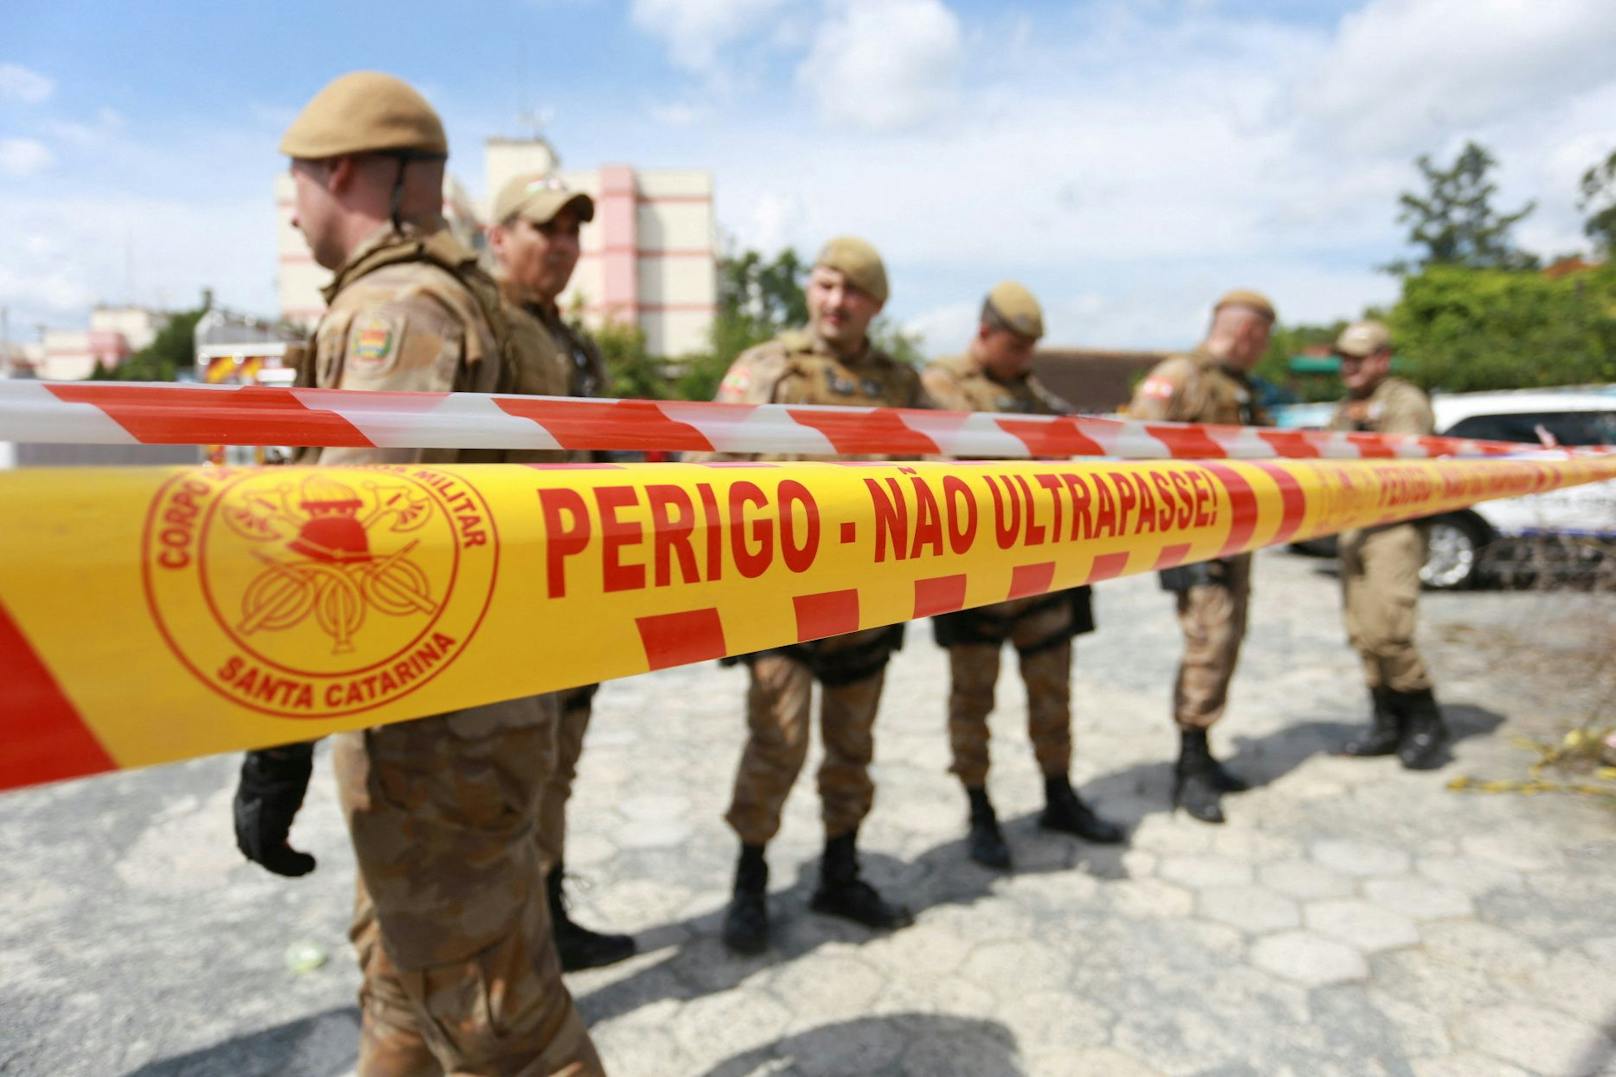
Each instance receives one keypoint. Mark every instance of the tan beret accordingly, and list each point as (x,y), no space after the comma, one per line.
(1013,307)
(365,112)
(858,262)
(1362,338)
(539,198)
(1244,297)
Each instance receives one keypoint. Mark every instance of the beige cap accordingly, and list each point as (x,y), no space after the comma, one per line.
(365,112)
(1245,297)
(1010,305)
(1362,338)
(539,198)
(858,262)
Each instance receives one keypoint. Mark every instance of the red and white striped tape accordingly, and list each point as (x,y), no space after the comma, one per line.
(164,414)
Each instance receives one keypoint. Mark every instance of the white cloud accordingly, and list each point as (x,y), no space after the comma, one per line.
(1402,72)
(18,83)
(696,31)
(24,156)
(883,64)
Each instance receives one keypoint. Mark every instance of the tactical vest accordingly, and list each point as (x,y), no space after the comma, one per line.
(816,377)
(983,393)
(442,250)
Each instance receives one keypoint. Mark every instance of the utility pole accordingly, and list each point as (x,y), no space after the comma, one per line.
(5,343)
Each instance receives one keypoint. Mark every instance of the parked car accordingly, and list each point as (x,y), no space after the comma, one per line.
(1564,533)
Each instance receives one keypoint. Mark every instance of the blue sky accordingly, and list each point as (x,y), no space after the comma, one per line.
(1127,160)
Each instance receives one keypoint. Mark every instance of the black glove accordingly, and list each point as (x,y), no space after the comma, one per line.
(273,781)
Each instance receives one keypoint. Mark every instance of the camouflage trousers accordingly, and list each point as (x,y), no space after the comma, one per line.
(451,925)
(1212,618)
(778,701)
(1040,633)
(576,707)
(1380,592)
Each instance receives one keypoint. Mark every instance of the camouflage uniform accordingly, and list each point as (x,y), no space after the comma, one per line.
(1197,388)
(583,374)
(797,369)
(1040,627)
(1380,566)
(451,924)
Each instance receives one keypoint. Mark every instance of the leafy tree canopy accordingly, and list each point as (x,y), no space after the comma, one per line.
(1454,221)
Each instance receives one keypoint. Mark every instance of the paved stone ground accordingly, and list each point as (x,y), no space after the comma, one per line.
(1351,918)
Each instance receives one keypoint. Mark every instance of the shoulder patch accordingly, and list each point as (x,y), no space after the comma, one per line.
(374,337)
(1158,386)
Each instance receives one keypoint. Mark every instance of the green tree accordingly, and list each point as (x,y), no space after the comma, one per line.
(757,299)
(1462,329)
(1598,200)
(1454,221)
(172,350)
(632,371)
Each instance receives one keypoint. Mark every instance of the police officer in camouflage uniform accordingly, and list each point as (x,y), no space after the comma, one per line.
(995,375)
(1210,384)
(831,362)
(534,238)
(460,973)
(1380,566)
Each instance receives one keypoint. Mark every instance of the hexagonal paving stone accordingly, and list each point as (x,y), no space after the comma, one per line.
(1250,908)
(1419,899)
(1540,1040)
(1360,924)
(1150,899)
(1360,858)
(1308,958)
(1203,872)
(1473,876)
(1510,851)
(1304,880)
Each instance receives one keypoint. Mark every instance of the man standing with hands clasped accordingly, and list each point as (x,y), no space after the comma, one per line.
(1380,566)
(1210,384)
(831,362)
(995,375)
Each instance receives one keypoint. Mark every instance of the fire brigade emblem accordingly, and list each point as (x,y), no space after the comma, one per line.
(315,593)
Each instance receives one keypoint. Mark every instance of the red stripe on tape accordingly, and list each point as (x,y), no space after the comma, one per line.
(1172,555)
(676,639)
(1057,438)
(48,740)
(1186,442)
(1371,447)
(1292,444)
(1242,504)
(1031,579)
(830,613)
(629,424)
(1108,566)
(252,415)
(881,432)
(1292,499)
(940,594)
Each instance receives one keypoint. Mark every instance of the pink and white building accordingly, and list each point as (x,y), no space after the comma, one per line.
(649,257)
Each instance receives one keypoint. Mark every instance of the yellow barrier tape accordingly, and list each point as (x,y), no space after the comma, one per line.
(154,615)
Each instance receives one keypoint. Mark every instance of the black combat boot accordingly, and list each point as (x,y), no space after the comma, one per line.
(579,947)
(984,841)
(1384,728)
(1065,811)
(1195,785)
(842,893)
(746,923)
(1424,742)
